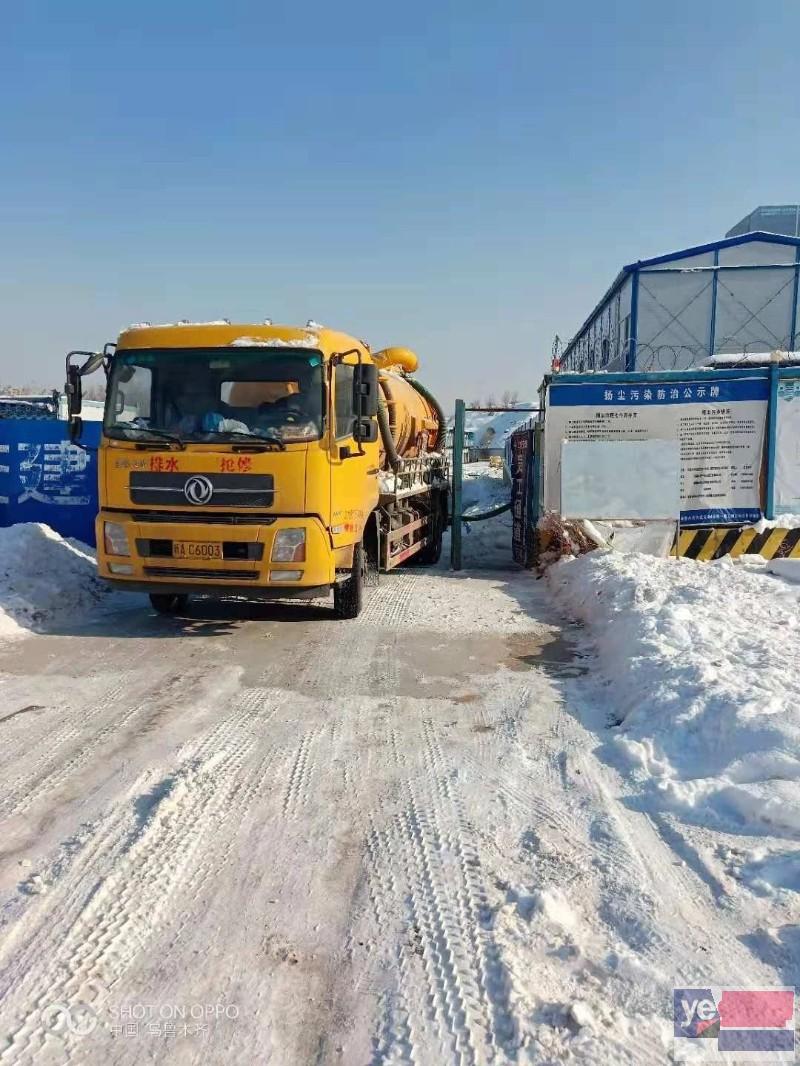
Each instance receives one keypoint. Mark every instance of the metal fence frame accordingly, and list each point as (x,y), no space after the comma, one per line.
(457,516)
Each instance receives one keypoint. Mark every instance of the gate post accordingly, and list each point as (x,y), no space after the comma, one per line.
(458,474)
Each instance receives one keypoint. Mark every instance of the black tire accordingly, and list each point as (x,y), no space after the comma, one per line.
(432,552)
(348,597)
(168,602)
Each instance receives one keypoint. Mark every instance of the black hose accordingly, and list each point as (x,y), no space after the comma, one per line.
(386,435)
(479,517)
(435,405)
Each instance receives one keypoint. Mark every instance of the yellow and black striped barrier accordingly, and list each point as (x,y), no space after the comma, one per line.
(708,544)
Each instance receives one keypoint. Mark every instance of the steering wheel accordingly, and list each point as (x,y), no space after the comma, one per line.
(294,413)
(291,413)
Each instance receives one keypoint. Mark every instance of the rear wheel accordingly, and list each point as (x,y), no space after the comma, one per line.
(348,597)
(168,603)
(432,552)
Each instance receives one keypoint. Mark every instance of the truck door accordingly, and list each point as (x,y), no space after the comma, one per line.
(354,476)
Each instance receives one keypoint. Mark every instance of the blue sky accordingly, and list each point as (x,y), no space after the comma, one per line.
(462,178)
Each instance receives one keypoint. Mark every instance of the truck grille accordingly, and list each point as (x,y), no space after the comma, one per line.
(190,572)
(232,490)
(223,518)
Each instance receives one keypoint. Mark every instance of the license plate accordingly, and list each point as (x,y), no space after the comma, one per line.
(196,549)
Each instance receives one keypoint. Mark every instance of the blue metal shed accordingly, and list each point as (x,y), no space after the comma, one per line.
(738,295)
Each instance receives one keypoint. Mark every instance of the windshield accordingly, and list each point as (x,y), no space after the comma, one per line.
(215,394)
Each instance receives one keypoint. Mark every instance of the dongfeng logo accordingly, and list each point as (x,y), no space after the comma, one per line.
(198,489)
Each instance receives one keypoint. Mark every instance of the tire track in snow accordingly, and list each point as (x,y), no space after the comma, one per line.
(394,1042)
(474,909)
(49,769)
(249,781)
(178,818)
(385,669)
(389,603)
(450,999)
(297,787)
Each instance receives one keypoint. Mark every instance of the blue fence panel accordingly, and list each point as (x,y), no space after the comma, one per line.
(45,478)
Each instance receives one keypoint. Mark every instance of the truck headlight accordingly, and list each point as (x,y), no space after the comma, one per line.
(289,546)
(115,537)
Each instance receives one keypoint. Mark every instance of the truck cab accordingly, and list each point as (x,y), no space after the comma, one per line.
(236,460)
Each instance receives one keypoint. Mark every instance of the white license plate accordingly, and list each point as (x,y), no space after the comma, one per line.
(196,549)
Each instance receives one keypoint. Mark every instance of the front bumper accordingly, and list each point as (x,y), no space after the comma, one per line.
(245,569)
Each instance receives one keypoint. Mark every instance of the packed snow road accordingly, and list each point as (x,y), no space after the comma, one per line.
(259,835)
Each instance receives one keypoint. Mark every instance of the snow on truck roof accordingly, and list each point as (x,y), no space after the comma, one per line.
(222,333)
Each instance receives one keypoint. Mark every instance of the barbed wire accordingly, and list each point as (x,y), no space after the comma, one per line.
(665,357)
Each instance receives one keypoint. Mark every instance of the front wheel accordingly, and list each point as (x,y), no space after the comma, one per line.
(168,603)
(348,597)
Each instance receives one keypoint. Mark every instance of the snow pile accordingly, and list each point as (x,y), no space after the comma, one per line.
(43,576)
(182,322)
(483,488)
(783,521)
(491,429)
(309,341)
(699,662)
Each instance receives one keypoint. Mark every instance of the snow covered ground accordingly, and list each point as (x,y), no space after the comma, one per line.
(491,821)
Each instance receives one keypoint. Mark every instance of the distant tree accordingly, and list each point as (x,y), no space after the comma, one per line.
(490,401)
(96,391)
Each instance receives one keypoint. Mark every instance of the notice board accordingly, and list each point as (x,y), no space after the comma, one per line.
(719,423)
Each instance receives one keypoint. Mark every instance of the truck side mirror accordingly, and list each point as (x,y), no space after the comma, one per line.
(74,391)
(365,430)
(94,362)
(75,428)
(365,390)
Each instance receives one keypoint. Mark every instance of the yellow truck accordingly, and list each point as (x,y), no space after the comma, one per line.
(261,461)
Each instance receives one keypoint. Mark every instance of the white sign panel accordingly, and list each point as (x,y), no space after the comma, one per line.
(718,422)
(594,482)
(787,448)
